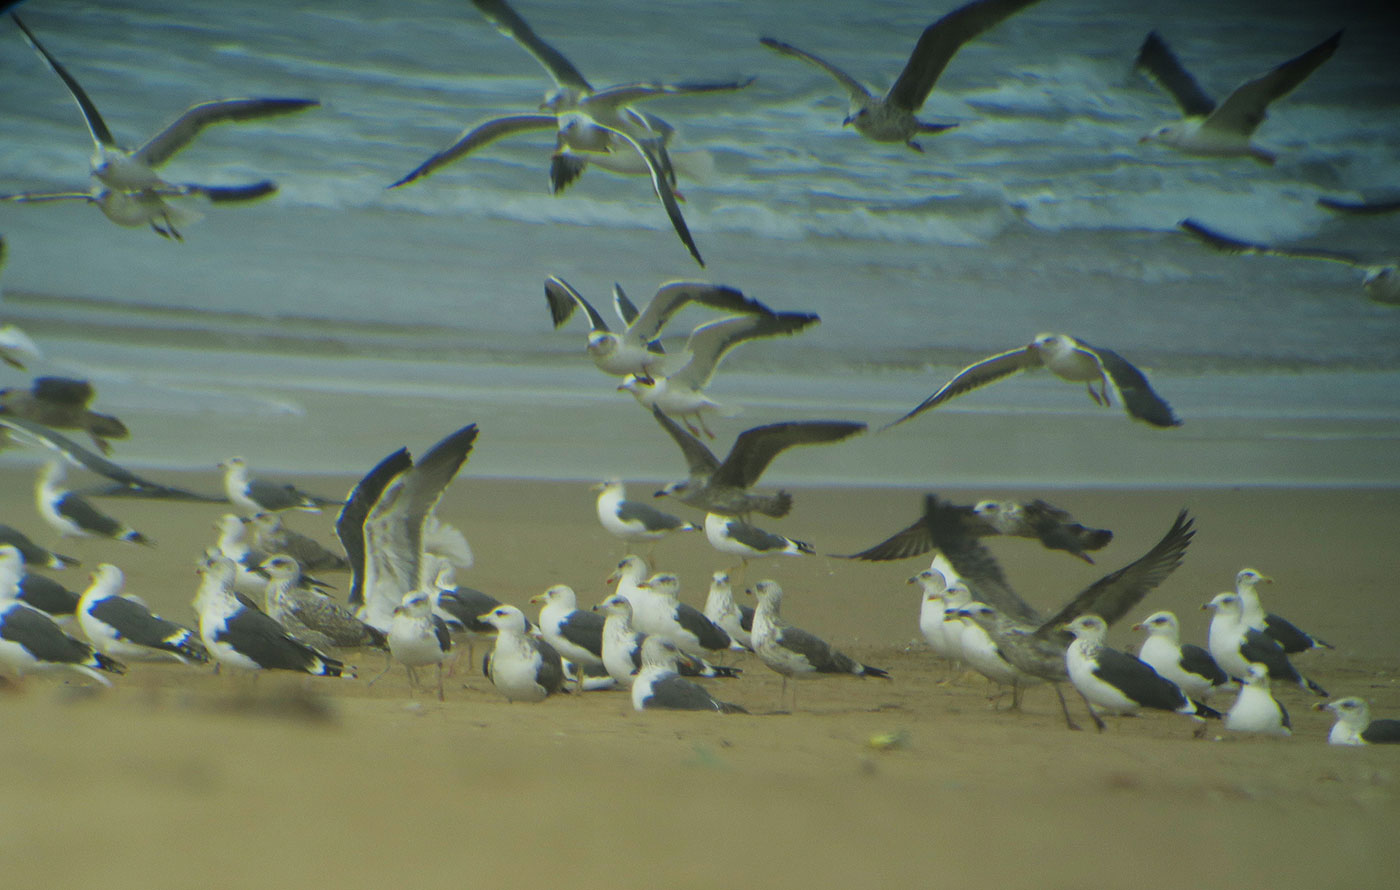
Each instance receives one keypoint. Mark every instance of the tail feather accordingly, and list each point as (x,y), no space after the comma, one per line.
(1312,687)
(105,663)
(186,644)
(868,671)
(725,707)
(1205,711)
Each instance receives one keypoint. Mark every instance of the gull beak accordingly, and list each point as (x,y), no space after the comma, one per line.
(848,120)
(1266,579)
(1139,627)
(1206,607)
(537,598)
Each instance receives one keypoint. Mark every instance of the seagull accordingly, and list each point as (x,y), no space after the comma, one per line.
(634,521)
(521,667)
(658,612)
(575,634)
(246,639)
(1381,281)
(1360,208)
(1288,635)
(1354,725)
(312,617)
(933,604)
(33,554)
(729,534)
(382,527)
(658,686)
(418,638)
(121,626)
(589,124)
(129,176)
(792,651)
(1069,359)
(30,641)
(892,118)
(976,647)
(152,206)
(1055,528)
(729,616)
(62,403)
(254,496)
(717,487)
(1255,709)
(636,350)
(270,535)
(15,346)
(1235,645)
(47,595)
(461,608)
(1117,683)
(1223,130)
(622,646)
(1029,641)
(72,516)
(1188,666)
(681,393)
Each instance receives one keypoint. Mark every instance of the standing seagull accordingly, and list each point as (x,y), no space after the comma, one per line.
(123,627)
(622,646)
(309,615)
(254,496)
(1354,725)
(1116,682)
(1235,645)
(1187,665)
(634,521)
(418,638)
(30,641)
(659,612)
(72,516)
(892,119)
(729,616)
(792,651)
(270,535)
(1069,359)
(521,667)
(63,403)
(1223,130)
(1255,709)
(1288,635)
(635,350)
(717,487)
(575,634)
(33,554)
(658,686)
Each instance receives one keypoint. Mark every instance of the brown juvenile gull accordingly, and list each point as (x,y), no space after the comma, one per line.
(1032,643)
(270,535)
(1055,528)
(310,616)
(1381,281)
(892,118)
(1223,130)
(1069,359)
(132,172)
(723,487)
(63,403)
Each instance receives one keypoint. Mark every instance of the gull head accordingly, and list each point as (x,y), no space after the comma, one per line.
(508,619)
(602,344)
(1090,628)
(1250,577)
(281,568)
(1160,624)
(615,605)
(1257,675)
(675,489)
(932,582)
(1350,710)
(416,604)
(1225,604)
(559,594)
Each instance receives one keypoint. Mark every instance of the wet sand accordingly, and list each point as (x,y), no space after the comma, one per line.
(180,775)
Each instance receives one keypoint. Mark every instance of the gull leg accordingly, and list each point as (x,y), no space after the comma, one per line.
(1069,721)
(442,696)
(1094,394)
(700,418)
(1098,723)
(388,663)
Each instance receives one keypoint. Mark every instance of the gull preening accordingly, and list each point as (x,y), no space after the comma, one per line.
(892,118)
(1223,130)
(1104,373)
(128,188)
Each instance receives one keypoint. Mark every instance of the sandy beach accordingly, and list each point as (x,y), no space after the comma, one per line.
(177,771)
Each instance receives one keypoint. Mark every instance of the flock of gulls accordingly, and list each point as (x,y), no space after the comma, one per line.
(262,601)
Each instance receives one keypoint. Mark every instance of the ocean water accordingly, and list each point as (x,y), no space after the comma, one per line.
(338,320)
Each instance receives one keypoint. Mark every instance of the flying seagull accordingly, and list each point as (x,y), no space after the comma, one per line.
(1069,359)
(1381,281)
(151,206)
(635,350)
(723,487)
(63,403)
(1223,130)
(1055,528)
(123,171)
(892,118)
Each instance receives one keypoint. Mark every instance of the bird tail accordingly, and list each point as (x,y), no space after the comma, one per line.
(136,537)
(868,671)
(804,547)
(780,505)
(1203,711)
(725,707)
(380,640)
(1311,686)
(325,666)
(185,644)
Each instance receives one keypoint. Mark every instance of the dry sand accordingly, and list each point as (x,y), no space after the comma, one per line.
(180,777)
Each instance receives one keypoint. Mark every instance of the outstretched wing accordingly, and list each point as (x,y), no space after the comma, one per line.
(96,125)
(563,299)
(674,296)
(940,42)
(1162,65)
(708,344)
(1225,244)
(848,83)
(1140,400)
(700,460)
(988,370)
(184,128)
(755,448)
(972,561)
(482,134)
(1245,109)
(509,23)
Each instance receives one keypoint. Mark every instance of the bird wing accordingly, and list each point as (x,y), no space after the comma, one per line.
(850,84)
(349,525)
(1197,660)
(938,44)
(550,674)
(1139,681)
(674,296)
(96,125)
(482,134)
(38,633)
(1113,595)
(700,460)
(509,23)
(65,391)
(563,299)
(625,308)
(1245,109)
(948,530)
(659,166)
(82,457)
(1162,65)
(988,370)
(625,94)
(756,448)
(708,343)
(1137,395)
(584,630)
(1365,208)
(673,691)
(184,128)
(1226,244)
(648,516)
(912,541)
(227,194)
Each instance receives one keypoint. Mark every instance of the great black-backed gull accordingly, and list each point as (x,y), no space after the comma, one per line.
(1187,665)
(1288,635)
(31,642)
(658,685)
(34,554)
(636,350)
(1102,371)
(575,634)
(123,627)
(254,496)
(521,667)
(310,616)
(1354,725)
(1115,682)
(1235,645)
(680,393)
(733,618)
(792,651)
(635,521)
(729,534)
(622,646)
(1255,709)
(72,516)
(269,534)
(892,118)
(1223,130)
(717,487)
(63,403)
(418,638)
(245,639)
(658,611)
